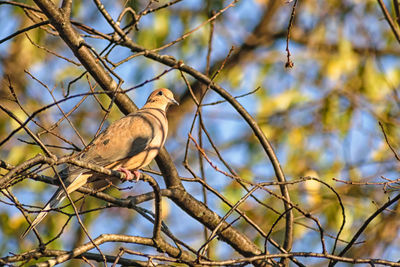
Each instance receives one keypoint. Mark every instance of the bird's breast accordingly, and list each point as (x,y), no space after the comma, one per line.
(157,128)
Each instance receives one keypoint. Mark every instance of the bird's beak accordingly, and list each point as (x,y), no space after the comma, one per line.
(173,101)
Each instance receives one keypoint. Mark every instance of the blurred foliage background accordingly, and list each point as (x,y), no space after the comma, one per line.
(321,115)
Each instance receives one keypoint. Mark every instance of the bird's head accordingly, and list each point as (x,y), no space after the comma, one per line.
(161,98)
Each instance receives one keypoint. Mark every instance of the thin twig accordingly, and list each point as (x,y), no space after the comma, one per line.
(389,19)
(388,143)
(289,63)
(37,25)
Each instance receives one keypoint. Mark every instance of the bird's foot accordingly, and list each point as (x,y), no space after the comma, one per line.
(129,175)
(137,175)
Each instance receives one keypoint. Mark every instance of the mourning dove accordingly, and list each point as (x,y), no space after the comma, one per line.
(128,144)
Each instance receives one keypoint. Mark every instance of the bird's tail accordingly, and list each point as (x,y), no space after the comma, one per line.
(56,199)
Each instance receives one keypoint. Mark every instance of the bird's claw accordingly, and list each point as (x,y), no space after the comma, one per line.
(129,175)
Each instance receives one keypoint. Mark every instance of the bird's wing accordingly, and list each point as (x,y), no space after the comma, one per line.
(123,139)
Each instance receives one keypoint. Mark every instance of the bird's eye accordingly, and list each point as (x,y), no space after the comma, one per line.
(160,93)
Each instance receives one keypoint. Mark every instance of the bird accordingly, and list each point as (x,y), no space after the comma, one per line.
(127,145)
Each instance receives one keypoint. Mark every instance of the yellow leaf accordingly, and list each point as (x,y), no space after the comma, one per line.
(280,102)
(312,188)
(161,26)
(235,76)
(20,115)
(16,221)
(381,153)
(343,62)
(296,137)
(375,84)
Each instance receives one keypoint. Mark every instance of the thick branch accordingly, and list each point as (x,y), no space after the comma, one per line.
(88,60)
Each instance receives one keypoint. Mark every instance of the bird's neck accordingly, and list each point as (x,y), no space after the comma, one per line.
(154,105)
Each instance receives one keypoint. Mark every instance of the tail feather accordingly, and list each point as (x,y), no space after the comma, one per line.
(56,199)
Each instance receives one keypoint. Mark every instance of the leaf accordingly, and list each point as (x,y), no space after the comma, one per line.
(280,102)
(375,85)
(344,62)
(161,27)
(312,189)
